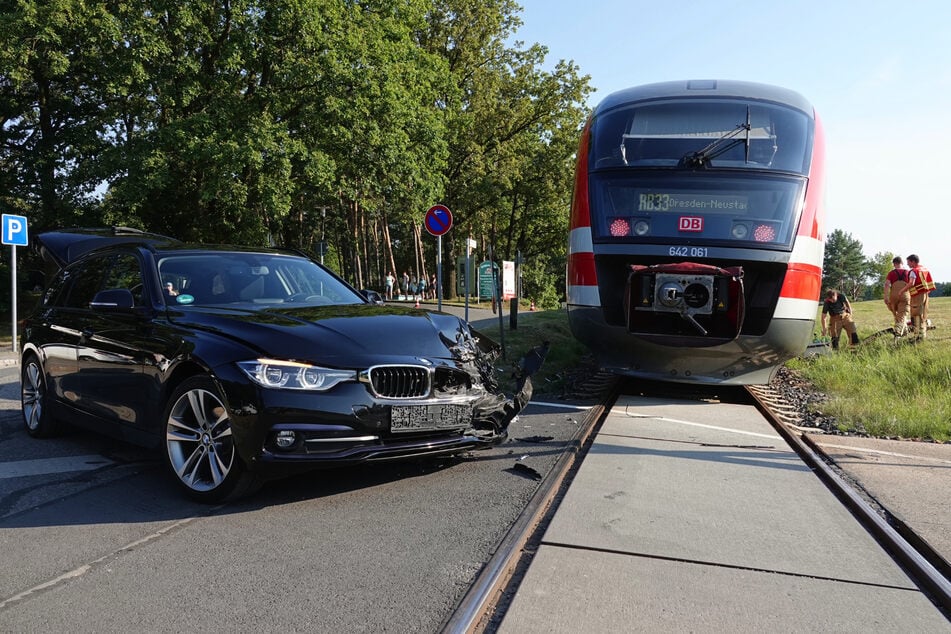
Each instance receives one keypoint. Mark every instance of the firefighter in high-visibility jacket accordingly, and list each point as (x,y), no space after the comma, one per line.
(920,285)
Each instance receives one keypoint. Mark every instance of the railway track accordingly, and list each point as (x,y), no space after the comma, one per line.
(922,563)
(483,606)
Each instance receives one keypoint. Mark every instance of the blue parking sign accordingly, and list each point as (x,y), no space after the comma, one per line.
(14,230)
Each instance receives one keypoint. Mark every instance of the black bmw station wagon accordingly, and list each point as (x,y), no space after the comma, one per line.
(240,362)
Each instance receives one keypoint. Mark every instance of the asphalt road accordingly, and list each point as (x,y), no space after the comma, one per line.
(96,538)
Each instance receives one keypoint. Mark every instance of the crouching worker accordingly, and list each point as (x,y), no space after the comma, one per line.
(838,310)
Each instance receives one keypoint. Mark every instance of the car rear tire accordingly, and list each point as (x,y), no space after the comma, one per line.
(33,399)
(199,446)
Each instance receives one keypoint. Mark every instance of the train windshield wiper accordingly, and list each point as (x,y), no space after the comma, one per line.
(703,157)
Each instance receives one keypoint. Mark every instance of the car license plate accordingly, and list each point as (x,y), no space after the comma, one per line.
(424,417)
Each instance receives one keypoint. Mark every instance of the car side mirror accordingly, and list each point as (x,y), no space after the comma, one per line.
(372,296)
(113,300)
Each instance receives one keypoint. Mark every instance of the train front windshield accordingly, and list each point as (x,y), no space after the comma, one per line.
(718,172)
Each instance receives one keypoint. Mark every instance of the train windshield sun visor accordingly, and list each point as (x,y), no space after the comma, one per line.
(693,133)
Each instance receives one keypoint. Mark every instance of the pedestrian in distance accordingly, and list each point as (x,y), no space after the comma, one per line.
(390,281)
(920,286)
(897,296)
(422,287)
(837,309)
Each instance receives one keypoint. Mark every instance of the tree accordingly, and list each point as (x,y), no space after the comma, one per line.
(242,120)
(877,270)
(843,265)
(52,56)
(512,130)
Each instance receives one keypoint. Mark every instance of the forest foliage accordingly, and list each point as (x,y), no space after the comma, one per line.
(292,122)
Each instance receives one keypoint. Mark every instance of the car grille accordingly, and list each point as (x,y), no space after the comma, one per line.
(400,381)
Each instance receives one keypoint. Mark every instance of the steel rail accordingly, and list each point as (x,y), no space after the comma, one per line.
(915,564)
(497,572)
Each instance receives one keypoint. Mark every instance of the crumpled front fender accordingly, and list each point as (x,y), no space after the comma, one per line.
(495,412)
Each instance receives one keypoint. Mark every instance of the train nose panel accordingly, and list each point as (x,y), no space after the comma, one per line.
(685,304)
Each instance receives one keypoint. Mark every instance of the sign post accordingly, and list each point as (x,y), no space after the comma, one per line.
(15,234)
(438,221)
(470,245)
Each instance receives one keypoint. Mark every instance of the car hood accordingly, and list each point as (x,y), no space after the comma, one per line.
(353,336)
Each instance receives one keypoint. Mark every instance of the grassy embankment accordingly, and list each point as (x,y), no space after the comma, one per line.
(886,387)
(565,356)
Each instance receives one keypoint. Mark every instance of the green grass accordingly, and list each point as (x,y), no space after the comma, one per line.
(565,354)
(885,387)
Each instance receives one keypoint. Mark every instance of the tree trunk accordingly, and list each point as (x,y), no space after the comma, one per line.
(367,270)
(355,241)
(377,281)
(388,246)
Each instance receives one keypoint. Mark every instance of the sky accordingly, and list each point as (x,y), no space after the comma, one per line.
(877,73)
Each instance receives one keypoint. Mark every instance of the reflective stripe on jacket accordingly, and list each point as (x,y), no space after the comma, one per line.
(923,282)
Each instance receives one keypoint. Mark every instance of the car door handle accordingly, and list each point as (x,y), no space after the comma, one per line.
(87,333)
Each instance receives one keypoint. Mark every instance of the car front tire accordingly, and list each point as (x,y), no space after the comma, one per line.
(199,446)
(33,399)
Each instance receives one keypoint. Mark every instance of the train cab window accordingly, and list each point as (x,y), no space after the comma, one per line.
(735,134)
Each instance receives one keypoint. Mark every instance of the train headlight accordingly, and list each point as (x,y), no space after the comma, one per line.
(740,231)
(641,228)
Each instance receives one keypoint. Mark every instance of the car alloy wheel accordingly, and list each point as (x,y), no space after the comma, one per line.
(38,421)
(200,448)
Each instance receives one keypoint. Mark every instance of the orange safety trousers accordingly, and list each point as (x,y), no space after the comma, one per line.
(838,323)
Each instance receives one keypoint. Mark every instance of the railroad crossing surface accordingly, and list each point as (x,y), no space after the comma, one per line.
(698,516)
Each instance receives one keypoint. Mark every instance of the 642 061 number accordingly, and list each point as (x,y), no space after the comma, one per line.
(689,252)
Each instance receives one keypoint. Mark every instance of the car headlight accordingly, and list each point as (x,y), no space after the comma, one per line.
(289,375)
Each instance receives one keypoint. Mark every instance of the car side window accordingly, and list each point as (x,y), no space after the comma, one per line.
(101,273)
(86,282)
(125,273)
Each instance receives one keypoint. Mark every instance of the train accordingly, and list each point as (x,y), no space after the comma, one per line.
(696,233)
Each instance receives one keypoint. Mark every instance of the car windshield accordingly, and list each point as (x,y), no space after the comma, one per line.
(216,278)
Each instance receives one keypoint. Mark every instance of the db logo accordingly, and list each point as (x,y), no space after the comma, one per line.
(690,223)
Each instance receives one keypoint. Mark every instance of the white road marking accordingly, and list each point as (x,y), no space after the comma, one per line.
(45,466)
(882,453)
(560,405)
(715,427)
(85,568)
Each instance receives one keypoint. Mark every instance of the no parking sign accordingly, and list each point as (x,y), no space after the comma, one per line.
(438,220)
